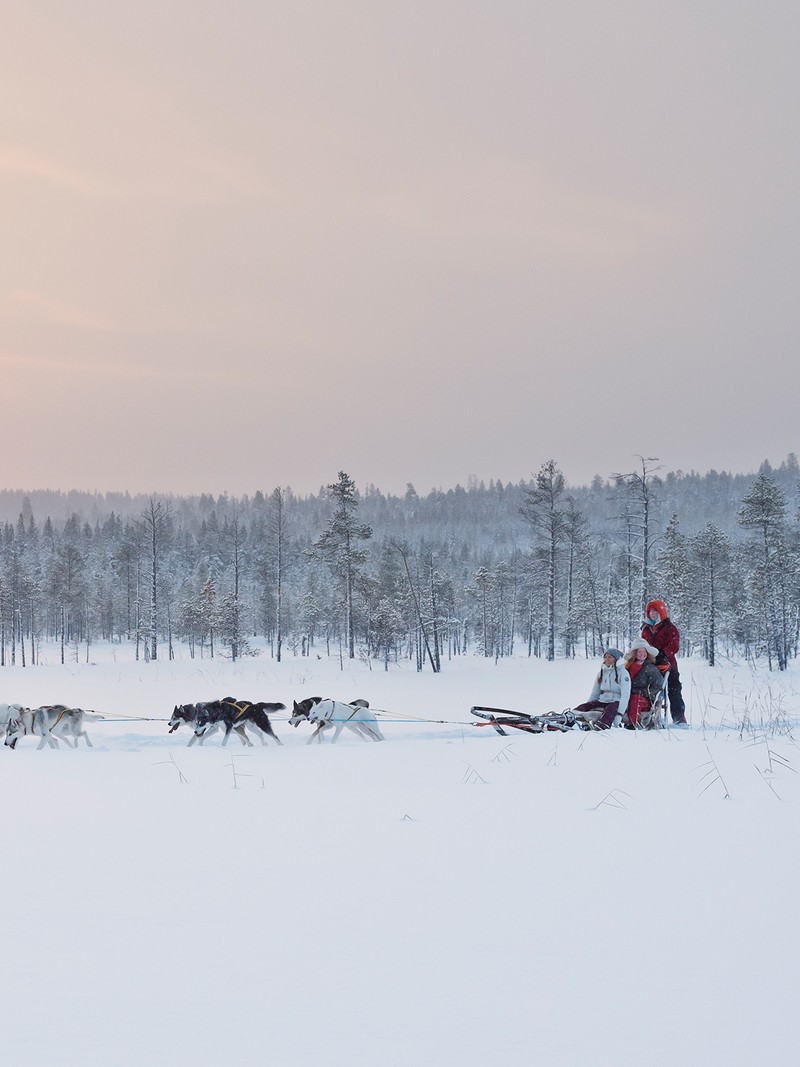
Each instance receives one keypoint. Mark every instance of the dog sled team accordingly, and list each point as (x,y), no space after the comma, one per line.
(629,691)
(52,724)
(237,717)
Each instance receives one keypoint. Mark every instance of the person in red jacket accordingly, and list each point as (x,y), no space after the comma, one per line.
(659,630)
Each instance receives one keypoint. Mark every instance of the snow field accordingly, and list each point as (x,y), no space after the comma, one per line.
(450,896)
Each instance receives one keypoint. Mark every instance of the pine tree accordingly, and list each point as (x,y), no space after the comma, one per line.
(338,546)
(154,523)
(423,643)
(208,614)
(540,509)
(638,506)
(484,596)
(574,538)
(231,608)
(278,533)
(674,578)
(712,552)
(764,509)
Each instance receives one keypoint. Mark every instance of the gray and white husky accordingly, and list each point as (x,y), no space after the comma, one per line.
(50,723)
(7,713)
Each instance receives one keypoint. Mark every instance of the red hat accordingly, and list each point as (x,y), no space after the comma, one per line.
(659,606)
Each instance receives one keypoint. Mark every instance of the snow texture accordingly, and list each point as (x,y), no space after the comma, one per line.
(449,896)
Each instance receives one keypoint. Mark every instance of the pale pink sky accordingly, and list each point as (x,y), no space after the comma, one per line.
(251,243)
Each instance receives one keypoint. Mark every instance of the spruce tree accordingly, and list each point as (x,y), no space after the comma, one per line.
(764,509)
(540,509)
(339,546)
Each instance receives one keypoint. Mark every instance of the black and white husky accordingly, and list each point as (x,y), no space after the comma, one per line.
(326,713)
(51,724)
(234,716)
(187,715)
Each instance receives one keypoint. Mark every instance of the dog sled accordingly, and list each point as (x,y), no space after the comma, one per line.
(503,719)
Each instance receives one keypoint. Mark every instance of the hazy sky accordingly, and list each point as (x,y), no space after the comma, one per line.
(249,243)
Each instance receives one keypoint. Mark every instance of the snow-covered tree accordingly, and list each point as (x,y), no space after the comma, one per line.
(540,509)
(764,510)
(339,544)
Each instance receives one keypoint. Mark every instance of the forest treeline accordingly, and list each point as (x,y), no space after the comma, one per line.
(536,567)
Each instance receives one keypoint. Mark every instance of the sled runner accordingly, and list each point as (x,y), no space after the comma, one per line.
(651,718)
(529,724)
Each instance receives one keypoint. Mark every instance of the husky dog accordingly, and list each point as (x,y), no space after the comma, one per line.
(326,713)
(301,712)
(50,723)
(7,713)
(182,714)
(234,714)
(186,715)
(190,715)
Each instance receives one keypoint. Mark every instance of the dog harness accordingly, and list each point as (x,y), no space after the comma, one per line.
(240,708)
(52,707)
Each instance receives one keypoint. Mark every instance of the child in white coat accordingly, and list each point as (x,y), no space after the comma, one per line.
(610,693)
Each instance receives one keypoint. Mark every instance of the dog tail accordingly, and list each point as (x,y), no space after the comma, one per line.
(259,718)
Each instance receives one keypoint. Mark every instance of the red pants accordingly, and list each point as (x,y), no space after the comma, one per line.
(636,705)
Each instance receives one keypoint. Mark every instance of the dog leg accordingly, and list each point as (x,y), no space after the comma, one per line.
(266,731)
(317,735)
(207,732)
(373,731)
(258,732)
(242,735)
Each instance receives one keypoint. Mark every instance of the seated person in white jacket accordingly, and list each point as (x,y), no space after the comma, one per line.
(610,693)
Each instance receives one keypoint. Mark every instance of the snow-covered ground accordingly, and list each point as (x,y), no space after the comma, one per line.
(448,897)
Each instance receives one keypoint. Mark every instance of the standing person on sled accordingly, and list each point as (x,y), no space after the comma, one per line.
(612,688)
(659,630)
(647,681)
